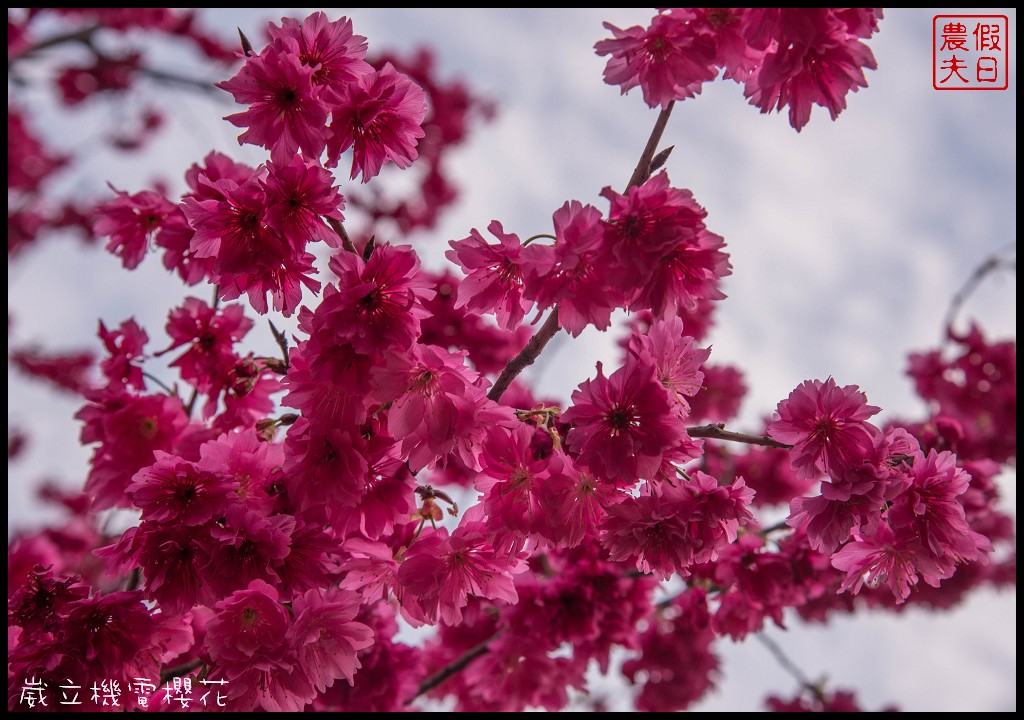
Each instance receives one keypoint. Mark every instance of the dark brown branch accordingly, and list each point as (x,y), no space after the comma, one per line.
(282,342)
(85,37)
(644,167)
(717,431)
(453,667)
(179,670)
(526,356)
(780,525)
(175,79)
(133,580)
(346,241)
(82,35)
(159,382)
(190,406)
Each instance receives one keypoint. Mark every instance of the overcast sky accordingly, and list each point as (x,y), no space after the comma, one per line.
(847,241)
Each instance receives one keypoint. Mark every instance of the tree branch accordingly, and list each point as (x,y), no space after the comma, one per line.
(85,37)
(282,342)
(453,667)
(179,670)
(526,356)
(780,525)
(346,241)
(533,349)
(643,168)
(174,79)
(717,431)
(990,265)
(790,666)
(155,379)
(82,35)
(191,404)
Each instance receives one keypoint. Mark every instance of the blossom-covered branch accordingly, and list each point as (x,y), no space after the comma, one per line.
(299,510)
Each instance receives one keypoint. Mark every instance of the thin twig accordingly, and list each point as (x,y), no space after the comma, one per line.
(85,36)
(453,667)
(282,342)
(526,356)
(780,525)
(346,241)
(158,382)
(717,431)
(989,266)
(179,670)
(708,586)
(190,406)
(533,349)
(643,168)
(133,580)
(82,35)
(789,666)
(175,79)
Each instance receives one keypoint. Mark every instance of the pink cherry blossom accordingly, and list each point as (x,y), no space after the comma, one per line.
(929,509)
(171,558)
(494,278)
(377,305)
(657,247)
(453,326)
(131,221)
(299,195)
(827,425)
(326,637)
(623,425)
(210,335)
(669,60)
(666,532)
(129,429)
(567,274)
(676,665)
(285,113)
(125,347)
(519,486)
(331,48)
(814,60)
(174,491)
(441,571)
(440,408)
(676,361)
(884,558)
(378,115)
(245,547)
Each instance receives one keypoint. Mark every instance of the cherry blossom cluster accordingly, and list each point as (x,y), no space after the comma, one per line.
(34,210)
(652,252)
(293,511)
(899,508)
(791,57)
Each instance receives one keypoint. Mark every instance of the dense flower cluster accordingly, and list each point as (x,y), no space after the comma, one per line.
(784,56)
(292,510)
